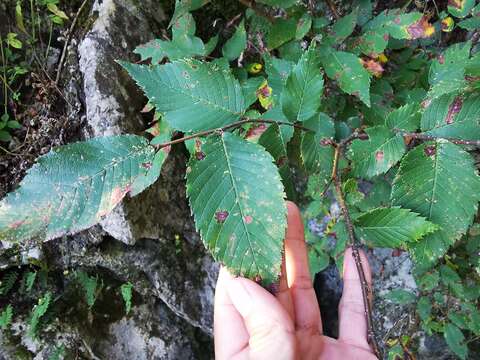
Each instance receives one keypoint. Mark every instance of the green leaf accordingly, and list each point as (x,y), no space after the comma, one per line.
(455,116)
(192,95)
(378,154)
(126,291)
(424,308)
(275,140)
(236,44)
(429,281)
(236,197)
(183,45)
(400,296)
(348,71)
(460,8)
(281,31)
(438,180)
(396,352)
(38,312)
(470,24)
(304,25)
(73,187)
(278,71)
(318,260)
(90,287)
(182,7)
(5,135)
(344,26)
(303,91)
(6,317)
(316,155)
(13,41)
(455,340)
(392,227)
(30,280)
(447,72)
(406,118)
(373,43)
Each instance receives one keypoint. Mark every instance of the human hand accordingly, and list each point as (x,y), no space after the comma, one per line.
(251,323)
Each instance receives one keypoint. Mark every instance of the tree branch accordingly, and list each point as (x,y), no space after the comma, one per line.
(426,137)
(228,127)
(353,242)
(333,9)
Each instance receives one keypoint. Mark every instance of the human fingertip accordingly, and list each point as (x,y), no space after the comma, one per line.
(241,298)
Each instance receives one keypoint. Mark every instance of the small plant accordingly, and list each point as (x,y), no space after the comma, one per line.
(6,317)
(38,312)
(381,118)
(90,285)
(126,291)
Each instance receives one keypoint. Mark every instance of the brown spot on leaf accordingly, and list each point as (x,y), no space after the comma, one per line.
(147,165)
(325,142)
(379,156)
(420,29)
(426,103)
(255,131)
(166,149)
(454,109)
(16,224)
(282,160)
(221,216)
(441,59)
(386,36)
(199,155)
(430,150)
(373,67)
(248,219)
(397,20)
(456,3)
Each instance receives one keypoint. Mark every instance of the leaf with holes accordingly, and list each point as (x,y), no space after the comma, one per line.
(348,71)
(303,91)
(438,180)
(378,154)
(392,227)
(74,186)
(192,95)
(237,200)
(451,115)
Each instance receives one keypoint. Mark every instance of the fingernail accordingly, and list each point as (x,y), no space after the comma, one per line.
(240,296)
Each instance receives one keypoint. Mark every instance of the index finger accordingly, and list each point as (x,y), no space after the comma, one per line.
(306,309)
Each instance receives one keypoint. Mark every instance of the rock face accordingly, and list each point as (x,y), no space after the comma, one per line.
(149,240)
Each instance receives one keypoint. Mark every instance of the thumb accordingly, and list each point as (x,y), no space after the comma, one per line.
(269,326)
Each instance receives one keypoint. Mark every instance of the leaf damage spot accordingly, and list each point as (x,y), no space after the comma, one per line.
(147,165)
(420,29)
(379,156)
(248,219)
(454,109)
(199,155)
(166,149)
(221,216)
(282,160)
(16,224)
(430,150)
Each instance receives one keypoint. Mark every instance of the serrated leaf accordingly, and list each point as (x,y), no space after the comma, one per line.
(406,118)
(401,26)
(344,26)
(455,116)
(303,90)
(237,200)
(304,25)
(236,44)
(373,43)
(400,296)
(378,154)
(73,187)
(6,317)
(438,180)
(275,140)
(447,72)
(318,158)
(470,23)
(192,95)
(278,71)
(182,7)
(455,340)
(424,308)
(183,45)
(348,71)
(281,31)
(250,87)
(392,227)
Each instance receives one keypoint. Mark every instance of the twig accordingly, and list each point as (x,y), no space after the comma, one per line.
(333,9)
(227,127)
(426,137)
(259,11)
(353,242)
(67,41)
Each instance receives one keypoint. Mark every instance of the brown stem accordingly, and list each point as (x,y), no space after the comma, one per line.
(67,41)
(353,242)
(333,9)
(426,137)
(227,127)
(258,10)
